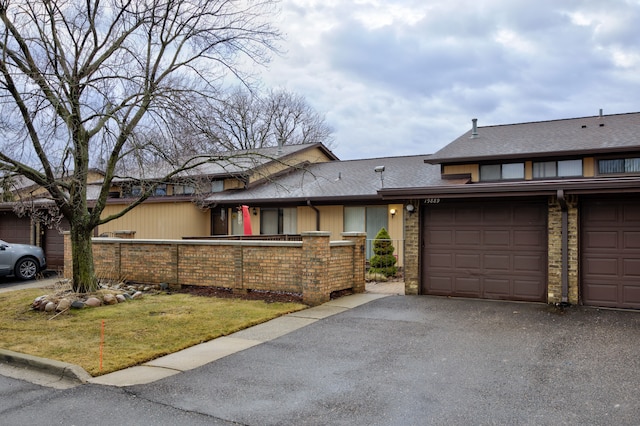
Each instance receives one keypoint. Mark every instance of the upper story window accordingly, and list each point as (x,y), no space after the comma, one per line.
(217,186)
(504,171)
(619,166)
(161,190)
(562,168)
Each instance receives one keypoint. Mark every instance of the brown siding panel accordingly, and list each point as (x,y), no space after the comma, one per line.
(487,250)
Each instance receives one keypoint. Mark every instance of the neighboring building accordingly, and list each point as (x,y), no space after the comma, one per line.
(178,208)
(543,211)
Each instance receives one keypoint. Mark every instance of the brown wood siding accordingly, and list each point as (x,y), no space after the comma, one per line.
(610,253)
(491,250)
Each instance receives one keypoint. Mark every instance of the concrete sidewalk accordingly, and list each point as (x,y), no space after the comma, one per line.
(62,374)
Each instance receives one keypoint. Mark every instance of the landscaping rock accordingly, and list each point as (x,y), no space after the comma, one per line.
(50,307)
(127,296)
(93,302)
(77,304)
(63,305)
(109,299)
(137,295)
(121,298)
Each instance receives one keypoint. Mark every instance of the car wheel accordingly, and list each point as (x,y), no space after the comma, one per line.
(26,269)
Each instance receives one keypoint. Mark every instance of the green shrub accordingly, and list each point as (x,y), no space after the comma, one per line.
(383,261)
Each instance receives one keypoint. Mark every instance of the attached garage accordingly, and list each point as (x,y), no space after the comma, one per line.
(488,249)
(610,252)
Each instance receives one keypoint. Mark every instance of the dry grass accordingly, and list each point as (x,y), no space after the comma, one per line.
(134,332)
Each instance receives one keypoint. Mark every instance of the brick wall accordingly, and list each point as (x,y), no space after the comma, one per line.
(315,267)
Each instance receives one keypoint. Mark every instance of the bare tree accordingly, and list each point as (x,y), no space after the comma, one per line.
(245,119)
(87,79)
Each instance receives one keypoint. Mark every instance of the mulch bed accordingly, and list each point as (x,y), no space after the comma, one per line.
(267,296)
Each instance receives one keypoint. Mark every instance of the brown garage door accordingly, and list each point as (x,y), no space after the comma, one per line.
(53,243)
(15,229)
(490,250)
(611,253)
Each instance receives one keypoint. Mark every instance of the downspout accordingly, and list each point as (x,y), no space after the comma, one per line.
(564,208)
(317,214)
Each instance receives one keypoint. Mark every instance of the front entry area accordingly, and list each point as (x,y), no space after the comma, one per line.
(487,250)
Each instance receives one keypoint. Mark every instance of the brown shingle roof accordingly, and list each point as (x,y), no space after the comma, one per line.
(556,138)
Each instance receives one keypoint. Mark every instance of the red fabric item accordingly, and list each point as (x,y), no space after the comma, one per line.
(246,220)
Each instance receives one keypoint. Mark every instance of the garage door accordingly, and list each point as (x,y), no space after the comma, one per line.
(611,253)
(53,243)
(485,250)
(15,229)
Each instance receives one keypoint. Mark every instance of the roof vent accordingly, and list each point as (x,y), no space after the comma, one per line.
(474,128)
(600,113)
(280,143)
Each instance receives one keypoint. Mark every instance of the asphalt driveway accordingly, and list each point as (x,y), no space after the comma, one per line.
(423,360)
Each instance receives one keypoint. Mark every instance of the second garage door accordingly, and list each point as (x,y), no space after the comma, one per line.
(611,253)
(490,250)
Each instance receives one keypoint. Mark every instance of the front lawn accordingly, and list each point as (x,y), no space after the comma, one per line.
(134,332)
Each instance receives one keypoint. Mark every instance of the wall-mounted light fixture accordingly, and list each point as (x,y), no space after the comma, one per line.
(392,212)
(410,208)
(255,212)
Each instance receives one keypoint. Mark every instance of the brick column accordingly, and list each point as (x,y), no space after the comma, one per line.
(68,266)
(360,239)
(412,250)
(316,255)
(554,252)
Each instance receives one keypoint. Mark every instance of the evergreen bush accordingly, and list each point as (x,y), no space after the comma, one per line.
(383,261)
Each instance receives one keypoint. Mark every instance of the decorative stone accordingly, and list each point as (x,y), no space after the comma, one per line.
(93,302)
(127,296)
(109,299)
(63,305)
(120,298)
(50,307)
(147,288)
(77,304)
(137,295)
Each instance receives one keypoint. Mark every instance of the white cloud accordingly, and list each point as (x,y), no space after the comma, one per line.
(406,77)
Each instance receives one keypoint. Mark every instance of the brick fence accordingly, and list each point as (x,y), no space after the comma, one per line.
(314,267)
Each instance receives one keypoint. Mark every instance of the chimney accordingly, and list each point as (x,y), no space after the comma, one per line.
(474,128)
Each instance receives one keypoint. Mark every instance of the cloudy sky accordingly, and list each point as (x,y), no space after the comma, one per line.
(403,77)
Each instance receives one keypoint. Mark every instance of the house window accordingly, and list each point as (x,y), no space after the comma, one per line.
(278,221)
(562,168)
(136,191)
(369,219)
(217,186)
(619,165)
(161,190)
(489,172)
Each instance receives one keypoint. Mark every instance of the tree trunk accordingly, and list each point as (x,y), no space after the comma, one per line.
(84,277)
